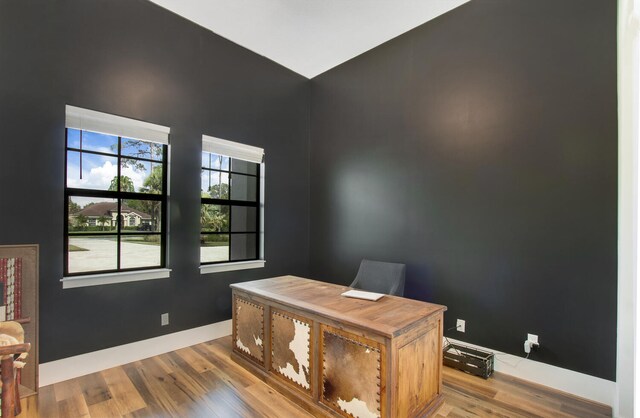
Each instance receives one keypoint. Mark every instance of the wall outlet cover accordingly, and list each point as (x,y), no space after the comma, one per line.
(164,319)
(460,325)
(532,338)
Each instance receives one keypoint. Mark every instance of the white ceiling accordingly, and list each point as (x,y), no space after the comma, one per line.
(309,36)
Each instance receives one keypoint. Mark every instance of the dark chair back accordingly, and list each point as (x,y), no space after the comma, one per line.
(380,277)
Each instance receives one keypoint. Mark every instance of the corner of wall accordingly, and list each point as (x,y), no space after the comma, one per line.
(628,110)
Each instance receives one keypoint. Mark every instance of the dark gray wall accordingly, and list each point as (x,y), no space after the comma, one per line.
(134,59)
(481,150)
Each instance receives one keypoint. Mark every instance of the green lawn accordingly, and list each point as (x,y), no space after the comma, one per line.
(215,244)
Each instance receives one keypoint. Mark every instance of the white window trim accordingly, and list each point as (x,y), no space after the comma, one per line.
(111,278)
(232,149)
(90,120)
(247,153)
(231,266)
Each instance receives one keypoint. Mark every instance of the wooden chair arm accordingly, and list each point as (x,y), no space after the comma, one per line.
(9,350)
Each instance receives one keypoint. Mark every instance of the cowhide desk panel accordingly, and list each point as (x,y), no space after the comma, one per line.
(336,356)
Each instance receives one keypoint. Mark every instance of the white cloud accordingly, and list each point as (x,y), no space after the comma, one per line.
(106,150)
(136,176)
(100,177)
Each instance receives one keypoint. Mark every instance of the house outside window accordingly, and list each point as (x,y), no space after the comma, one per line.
(231,215)
(116,182)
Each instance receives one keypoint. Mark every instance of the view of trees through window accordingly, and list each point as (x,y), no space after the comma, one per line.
(229,215)
(115,194)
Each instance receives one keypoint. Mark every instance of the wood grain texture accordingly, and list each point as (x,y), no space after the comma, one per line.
(506,396)
(215,386)
(387,317)
(416,386)
(350,383)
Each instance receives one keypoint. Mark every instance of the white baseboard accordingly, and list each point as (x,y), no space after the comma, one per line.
(83,364)
(578,384)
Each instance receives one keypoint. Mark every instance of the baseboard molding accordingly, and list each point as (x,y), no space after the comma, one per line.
(578,384)
(575,383)
(83,364)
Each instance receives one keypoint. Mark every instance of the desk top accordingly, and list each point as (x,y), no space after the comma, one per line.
(389,316)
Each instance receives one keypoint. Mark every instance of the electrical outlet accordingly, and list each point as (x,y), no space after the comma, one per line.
(164,319)
(460,325)
(531,342)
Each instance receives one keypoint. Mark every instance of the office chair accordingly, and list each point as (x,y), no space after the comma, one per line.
(380,277)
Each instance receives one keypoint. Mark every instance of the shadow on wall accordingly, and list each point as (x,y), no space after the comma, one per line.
(418,283)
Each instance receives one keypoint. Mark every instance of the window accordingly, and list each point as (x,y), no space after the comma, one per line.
(115,194)
(231,206)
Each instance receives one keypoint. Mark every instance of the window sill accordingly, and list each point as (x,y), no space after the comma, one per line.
(240,265)
(110,278)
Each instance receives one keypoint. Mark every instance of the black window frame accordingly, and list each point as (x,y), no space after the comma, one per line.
(119,196)
(230,203)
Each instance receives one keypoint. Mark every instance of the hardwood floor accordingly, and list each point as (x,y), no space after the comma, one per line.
(201,381)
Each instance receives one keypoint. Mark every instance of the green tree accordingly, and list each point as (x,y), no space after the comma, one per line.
(153,183)
(73,207)
(219,191)
(126,184)
(103,220)
(139,149)
(214,218)
(81,221)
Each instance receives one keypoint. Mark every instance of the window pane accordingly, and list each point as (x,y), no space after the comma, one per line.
(219,162)
(214,218)
(73,138)
(243,219)
(92,253)
(140,176)
(140,251)
(215,161)
(92,214)
(98,172)
(241,166)
(141,149)
(214,247)
(215,184)
(141,215)
(93,141)
(243,247)
(243,187)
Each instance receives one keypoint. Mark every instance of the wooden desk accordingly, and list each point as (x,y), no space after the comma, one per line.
(337,356)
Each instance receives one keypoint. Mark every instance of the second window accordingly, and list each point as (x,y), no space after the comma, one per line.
(230,209)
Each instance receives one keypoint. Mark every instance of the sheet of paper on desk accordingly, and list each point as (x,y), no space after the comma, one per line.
(359,294)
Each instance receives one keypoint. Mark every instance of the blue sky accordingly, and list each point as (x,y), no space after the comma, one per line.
(99,170)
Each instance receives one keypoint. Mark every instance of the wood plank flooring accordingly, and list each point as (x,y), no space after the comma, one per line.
(202,381)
